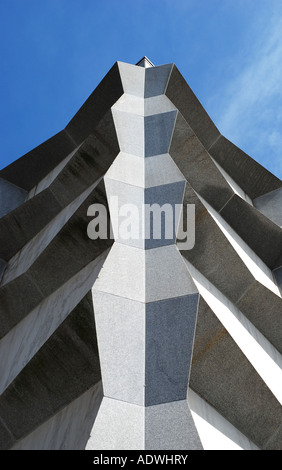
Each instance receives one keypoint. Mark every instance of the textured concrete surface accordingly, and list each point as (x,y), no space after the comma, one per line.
(22,260)
(252,261)
(249,174)
(39,391)
(26,172)
(23,341)
(221,435)
(248,222)
(146,299)
(219,366)
(257,302)
(196,165)
(69,429)
(11,196)
(50,177)
(183,98)
(96,106)
(59,253)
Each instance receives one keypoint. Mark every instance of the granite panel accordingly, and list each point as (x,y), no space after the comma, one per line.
(170,426)
(158,130)
(120,325)
(170,329)
(156,79)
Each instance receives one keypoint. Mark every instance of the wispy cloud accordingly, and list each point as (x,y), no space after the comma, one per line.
(249,111)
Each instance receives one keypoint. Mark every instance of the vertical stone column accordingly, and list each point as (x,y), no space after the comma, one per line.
(145,302)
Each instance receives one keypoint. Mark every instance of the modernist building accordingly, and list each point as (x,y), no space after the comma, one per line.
(140,342)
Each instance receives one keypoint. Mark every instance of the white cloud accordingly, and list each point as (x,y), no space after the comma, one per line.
(249,110)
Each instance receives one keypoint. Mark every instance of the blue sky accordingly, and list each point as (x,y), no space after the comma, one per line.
(55,52)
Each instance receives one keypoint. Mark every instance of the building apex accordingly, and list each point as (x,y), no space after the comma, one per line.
(145,62)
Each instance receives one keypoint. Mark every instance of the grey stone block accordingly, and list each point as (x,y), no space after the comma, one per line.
(158,132)
(145,275)
(123,426)
(156,79)
(170,426)
(145,173)
(132,78)
(120,325)
(170,328)
(181,95)
(145,349)
(145,218)
(129,104)
(166,274)
(118,426)
(161,169)
(160,229)
(126,212)
(130,132)
(123,273)
(128,169)
(157,105)
(246,172)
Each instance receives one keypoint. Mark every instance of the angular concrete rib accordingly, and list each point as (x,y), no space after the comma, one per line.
(39,392)
(139,340)
(30,227)
(145,322)
(219,366)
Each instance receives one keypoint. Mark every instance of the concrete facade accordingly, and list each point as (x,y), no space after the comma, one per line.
(137,341)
